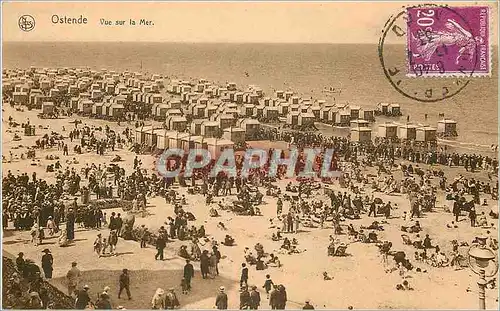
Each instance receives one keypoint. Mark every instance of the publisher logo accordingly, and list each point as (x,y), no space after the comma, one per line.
(26,23)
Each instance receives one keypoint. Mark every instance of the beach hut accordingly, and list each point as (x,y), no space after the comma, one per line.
(343,118)
(258,111)
(199,88)
(162,139)
(306,119)
(394,110)
(247,110)
(408,132)
(426,134)
(294,108)
(48,108)
(328,114)
(175,104)
(106,108)
(174,139)
(388,130)
(354,110)
(210,110)
(447,128)
(199,111)
(174,113)
(383,108)
(254,99)
(234,134)
(225,120)
(85,106)
(361,134)
(159,111)
(203,101)
(294,100)
(288,95)
(251,126)
(238,97)
(209,92)
(292,118)
(217,146)
(45,84)
(177,123)
(367,114)
(157,99)
(210,128)
(196,126)
(97,109)
(231,86)
(271,113)
(116,110)
(280,94)
(283,108)
(359,123)
(74,103)
(188,141)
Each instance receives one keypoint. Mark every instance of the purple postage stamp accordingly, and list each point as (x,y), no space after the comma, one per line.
(448,41)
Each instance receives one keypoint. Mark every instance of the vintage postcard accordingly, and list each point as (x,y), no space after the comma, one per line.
(250,155)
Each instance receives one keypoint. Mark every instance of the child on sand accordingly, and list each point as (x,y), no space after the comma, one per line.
(184,286)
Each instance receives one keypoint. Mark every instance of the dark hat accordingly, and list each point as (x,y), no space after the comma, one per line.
(46,251)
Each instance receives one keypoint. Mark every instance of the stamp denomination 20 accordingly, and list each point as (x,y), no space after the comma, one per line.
(431,41)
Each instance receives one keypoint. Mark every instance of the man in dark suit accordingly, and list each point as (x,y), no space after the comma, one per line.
(188,274)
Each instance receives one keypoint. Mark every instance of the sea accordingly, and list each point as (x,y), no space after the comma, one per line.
(307,69)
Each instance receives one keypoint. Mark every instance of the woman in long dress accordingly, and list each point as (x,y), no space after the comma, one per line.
(212,268)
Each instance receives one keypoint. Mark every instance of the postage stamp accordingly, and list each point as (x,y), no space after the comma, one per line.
(448,41)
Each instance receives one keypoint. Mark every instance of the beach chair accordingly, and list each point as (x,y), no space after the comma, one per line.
(406,239)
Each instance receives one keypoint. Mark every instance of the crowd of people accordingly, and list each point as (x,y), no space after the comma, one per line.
(43,208)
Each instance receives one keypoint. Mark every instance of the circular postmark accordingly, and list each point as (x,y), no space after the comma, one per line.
(428,52)
(26,22)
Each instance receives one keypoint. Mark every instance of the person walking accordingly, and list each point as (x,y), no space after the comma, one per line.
(244,298)
(112,241)
(268,285)
(244,275)
(188,274)
(221,299)
(472,216)
(161,243)
(73,278)
(273,298)
(47,263)
(124,284)
(254,298)
(204,264)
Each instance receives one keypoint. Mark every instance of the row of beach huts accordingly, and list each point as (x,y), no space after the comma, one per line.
(198,107)
(362,132)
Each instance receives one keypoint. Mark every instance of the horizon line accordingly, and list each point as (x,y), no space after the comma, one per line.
(191,42)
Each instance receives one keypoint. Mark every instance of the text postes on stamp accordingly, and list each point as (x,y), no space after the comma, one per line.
(444,41)
(430,53)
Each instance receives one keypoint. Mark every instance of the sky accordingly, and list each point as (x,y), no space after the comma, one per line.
(268,22)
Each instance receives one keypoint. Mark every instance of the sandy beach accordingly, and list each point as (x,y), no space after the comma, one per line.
(359,280)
